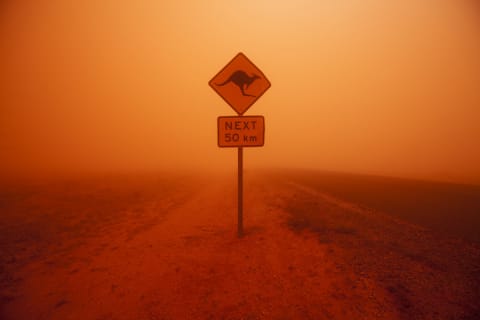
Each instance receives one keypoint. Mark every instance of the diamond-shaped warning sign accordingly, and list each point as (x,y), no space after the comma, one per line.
(240,83)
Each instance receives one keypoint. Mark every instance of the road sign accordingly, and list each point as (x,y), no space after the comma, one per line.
(241,131)
(240,83)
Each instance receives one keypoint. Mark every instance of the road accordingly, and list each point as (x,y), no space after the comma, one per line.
(165,247)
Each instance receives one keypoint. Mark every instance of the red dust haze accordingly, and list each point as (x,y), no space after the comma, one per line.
(383,87)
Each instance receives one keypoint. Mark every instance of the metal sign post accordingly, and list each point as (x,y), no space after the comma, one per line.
(240,83)
(240,192)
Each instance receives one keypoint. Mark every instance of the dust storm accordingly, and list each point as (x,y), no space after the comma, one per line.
(360,201)
(376,87)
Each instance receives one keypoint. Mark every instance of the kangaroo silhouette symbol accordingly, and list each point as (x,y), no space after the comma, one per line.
(242,80)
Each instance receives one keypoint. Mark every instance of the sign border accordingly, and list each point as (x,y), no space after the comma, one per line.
(211,84)
(240,146)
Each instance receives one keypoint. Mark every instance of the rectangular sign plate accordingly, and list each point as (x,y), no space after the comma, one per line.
(241,131)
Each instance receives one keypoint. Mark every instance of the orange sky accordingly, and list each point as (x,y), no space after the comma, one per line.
(369,86)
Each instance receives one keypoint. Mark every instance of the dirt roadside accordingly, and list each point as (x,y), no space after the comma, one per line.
(189,264)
